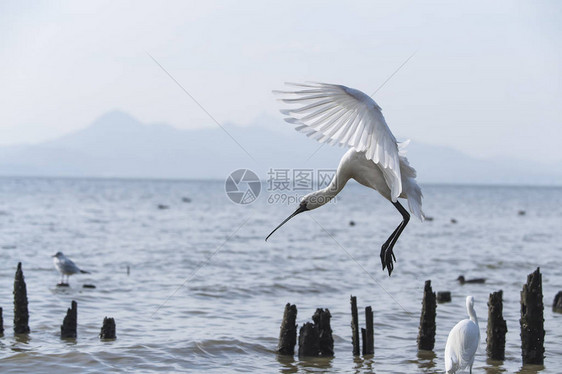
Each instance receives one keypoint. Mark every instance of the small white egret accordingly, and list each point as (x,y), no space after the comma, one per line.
(462,342)
(66,266)
(341,115)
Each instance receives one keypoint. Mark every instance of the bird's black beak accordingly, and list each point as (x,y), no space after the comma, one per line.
(300,209)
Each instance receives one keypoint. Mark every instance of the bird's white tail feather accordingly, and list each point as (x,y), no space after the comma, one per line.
(411,188)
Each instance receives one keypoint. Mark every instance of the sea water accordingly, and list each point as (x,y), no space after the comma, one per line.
(193,286)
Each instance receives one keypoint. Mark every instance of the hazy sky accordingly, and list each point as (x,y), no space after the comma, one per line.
(486,78)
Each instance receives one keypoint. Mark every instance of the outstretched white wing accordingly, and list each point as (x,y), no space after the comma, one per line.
(341,115)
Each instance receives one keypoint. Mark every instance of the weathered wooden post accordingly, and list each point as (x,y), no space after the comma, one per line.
(315,339)
(308,340)
(557,304)
(363,339)
(288,333)
(70,322)
(426,335)
(368,333)
(532,321)
(443,297)
(497,328)
(321,320)
(108,329)
(21,314)
(1,323)
(354,326)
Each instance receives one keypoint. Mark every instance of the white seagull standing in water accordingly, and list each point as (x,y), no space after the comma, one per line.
(462,341)
(66,266)
(341,115)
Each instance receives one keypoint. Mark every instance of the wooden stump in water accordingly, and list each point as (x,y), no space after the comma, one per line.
(21,314)
(444,296)
(557,304)
(321,320)
(315,339)
(368,333)
(354,326)
(108,329)
(70,322)
(308,340)
(426,335)
(497,328)
(288,333)
(363,339)
(532,321)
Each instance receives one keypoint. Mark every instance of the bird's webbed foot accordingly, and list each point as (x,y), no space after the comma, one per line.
(387,257)
(383,251)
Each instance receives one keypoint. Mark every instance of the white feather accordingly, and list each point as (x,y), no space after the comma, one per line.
(462,342)
(341,115)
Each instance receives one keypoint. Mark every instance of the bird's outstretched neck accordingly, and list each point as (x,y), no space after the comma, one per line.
(327,194)
(317,198)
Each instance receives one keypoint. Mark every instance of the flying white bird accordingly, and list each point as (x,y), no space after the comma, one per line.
(341,115)
(66,266)
(462,341)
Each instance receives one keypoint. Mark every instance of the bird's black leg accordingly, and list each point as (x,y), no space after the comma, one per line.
(386,244)
(385,247)
(387,254)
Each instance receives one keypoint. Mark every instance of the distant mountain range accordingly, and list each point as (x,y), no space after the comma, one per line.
(118,145)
